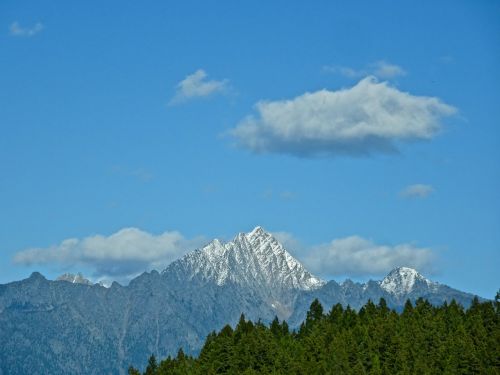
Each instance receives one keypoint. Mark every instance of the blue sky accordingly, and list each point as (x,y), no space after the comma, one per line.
(375,143)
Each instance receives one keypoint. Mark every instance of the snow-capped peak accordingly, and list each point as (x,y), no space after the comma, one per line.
(257,231)
(402,280)
(254,259)
(75,279)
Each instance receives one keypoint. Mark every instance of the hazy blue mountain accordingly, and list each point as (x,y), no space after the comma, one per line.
(70,326)
(396,288)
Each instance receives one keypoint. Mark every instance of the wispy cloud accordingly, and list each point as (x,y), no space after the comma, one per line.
(416,191)
(120,256)
(381,69)
(356,256)
(344,71)
(16,29)
(367,118)
(197,85)
(385,70)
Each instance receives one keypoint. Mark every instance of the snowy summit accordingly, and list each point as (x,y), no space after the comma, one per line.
(254,259)
(402,280)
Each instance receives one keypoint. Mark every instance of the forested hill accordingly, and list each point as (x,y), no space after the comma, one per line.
(423,339)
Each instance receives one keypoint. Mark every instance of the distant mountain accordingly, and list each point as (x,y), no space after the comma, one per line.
(74,327)
(396,288)
(74,279)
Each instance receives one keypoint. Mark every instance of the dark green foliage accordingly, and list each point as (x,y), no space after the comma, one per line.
(152,366)
(423,339)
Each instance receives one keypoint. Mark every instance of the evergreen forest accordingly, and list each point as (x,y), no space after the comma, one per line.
(421,339)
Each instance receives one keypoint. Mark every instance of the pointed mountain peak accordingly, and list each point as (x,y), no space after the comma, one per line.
(74,279)
(255,258)
(36,276)
(256,232)
(402,280)
(404,271)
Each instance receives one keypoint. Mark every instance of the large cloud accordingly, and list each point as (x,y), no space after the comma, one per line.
(369,117)
(356,256)
(119,256)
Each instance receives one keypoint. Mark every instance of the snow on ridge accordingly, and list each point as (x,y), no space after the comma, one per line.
(255,258)
(74,278)
(402,280)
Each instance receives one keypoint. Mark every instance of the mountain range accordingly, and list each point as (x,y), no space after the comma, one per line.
(73,326)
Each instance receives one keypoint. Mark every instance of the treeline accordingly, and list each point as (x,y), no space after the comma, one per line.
(423,339)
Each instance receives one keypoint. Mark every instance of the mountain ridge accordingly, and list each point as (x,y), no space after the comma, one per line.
(60,326)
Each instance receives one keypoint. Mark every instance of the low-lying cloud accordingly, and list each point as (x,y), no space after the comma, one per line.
(119,256)
(356,256)
(197,85)
(370,117)
(131,251)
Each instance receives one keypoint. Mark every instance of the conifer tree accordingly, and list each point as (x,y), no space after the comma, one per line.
(152,366)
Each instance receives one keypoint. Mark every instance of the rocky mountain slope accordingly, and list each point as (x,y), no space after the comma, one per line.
(253,261)
(61,327)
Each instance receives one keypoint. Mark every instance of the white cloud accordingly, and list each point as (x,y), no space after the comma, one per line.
(16,29)
(121,255)
(197,85)
(369,117)
(381,69)
(356,256)
(384,69)
(416,191)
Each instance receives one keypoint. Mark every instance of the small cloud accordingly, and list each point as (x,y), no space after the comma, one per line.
(379,69)
(17,30)
(344,71)
(385,70)
(416,191)
(197,85)
(370,117)
(356,256)
(120,256)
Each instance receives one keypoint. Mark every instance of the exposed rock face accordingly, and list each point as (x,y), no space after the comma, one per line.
(74,279)
(54,327)
(254,261)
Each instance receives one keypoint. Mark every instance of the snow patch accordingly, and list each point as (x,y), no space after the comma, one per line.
(402,280)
